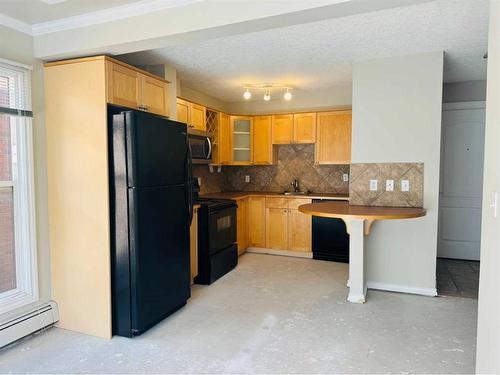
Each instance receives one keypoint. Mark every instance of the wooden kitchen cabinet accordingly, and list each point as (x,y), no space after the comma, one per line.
(198,117)
(193,245)
(154,95)
(123,85)
(242,225)
(222,141)
(333,137)
(304,127)
(277,228)
(77,92)
(257,221)
(277,223)
(262,140)
(299,231)
(131,88)
(282,129)
(192,114)
(183,110)
(241,140)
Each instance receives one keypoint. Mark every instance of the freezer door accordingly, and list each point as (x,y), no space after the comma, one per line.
(159,254)
(156,150)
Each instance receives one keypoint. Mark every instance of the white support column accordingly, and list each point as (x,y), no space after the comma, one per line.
(357,278)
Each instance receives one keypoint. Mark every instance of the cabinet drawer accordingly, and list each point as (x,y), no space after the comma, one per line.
(294,203)
(276,203)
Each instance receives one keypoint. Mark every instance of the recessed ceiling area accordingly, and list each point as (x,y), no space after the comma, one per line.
(319,55)
(38,11)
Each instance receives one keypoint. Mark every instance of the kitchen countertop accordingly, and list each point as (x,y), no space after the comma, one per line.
(244,194)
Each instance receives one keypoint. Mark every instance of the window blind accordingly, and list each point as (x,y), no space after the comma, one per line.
(15,91)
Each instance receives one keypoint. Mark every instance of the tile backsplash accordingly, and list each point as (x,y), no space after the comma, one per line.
(294,162)
(361,174)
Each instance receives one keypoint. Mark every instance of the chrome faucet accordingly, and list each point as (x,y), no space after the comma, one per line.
(295,185)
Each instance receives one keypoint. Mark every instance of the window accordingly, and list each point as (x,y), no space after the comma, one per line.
(18,276)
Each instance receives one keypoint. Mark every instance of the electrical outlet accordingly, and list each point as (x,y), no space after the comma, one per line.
(373,185)
(345,177)
(199,180)
(389,185)
(405,185)
(247,178)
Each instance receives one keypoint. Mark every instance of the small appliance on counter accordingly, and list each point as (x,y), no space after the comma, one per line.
(151,205)
(217,249)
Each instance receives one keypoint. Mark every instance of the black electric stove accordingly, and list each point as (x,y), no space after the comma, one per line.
(217,249)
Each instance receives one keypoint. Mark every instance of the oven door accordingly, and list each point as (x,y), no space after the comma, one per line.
(201,149)
(221,229)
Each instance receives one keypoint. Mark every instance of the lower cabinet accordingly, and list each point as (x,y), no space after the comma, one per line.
(286,227)
(277,228)
(299,231)
(257,221)
(193,245)
(242,225)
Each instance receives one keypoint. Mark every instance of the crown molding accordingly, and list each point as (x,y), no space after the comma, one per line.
(107,15)
(12,23)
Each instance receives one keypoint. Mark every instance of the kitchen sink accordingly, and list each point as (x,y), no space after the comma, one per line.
(295,193)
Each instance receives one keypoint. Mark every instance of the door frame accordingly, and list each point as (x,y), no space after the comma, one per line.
(456,106)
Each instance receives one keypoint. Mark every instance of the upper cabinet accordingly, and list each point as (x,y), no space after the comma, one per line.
(222,148)
(294,128)
(133,88)
(333,137)
(241,130)
(282,129)
(262,144)
(194,115)
(183,110)
(304,127)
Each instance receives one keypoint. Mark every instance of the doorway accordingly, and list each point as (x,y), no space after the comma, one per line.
(460,197)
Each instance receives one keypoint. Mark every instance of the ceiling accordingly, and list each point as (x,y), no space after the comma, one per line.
(317,56)
(38,11)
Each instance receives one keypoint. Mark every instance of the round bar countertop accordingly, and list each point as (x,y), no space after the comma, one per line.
(343,210)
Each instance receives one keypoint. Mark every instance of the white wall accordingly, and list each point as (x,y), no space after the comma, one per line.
(467,91)
(488,330)
(18,47)
(397,118)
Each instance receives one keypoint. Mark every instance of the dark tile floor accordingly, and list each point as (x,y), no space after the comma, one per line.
(459,278)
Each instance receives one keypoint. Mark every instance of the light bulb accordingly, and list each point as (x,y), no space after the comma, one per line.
(267,96)
(247,94)
(288,95)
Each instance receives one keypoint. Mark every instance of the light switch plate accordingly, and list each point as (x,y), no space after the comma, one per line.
(247,178)
(199,180)
(345,177)
(373,185)
(389,185)
(405,185)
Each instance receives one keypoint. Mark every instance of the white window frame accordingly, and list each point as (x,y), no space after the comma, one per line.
(22,184)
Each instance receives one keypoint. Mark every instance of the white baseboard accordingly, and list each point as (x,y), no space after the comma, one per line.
(402,288)
(288,253)
(32,321)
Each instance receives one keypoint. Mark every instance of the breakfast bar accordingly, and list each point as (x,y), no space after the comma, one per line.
(359,221)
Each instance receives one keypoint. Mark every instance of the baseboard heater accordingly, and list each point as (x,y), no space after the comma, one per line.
(26,324)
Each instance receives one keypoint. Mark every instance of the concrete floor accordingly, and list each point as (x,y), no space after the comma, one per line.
(457,278)
(274,314)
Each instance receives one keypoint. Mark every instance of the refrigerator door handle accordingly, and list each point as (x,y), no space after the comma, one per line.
(189,183)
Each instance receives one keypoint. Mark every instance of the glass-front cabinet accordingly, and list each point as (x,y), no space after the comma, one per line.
(241,128)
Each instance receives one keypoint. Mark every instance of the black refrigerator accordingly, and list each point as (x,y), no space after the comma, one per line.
(151,210)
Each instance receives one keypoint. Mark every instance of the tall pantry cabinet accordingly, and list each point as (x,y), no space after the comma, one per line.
(76,96)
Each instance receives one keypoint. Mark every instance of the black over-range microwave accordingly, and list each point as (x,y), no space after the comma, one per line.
(201,147)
